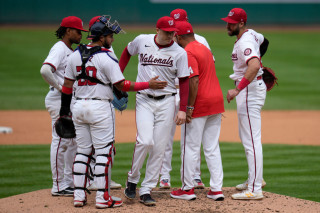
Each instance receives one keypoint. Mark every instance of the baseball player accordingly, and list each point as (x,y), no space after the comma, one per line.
(91,184)
(62,151)
(158,55)
(180,15)
(93,114)
(250,94)
(203,117)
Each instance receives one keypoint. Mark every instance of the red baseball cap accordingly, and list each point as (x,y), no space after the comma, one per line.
(166,23)
(179,15)
(236,15)
(93,20)
(73,22)
(184,27)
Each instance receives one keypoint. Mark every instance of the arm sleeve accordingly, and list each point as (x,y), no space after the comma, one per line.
(264,47)
(47,74)
(184,93)
(124,59)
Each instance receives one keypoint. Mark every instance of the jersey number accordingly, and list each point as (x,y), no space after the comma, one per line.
(90,71)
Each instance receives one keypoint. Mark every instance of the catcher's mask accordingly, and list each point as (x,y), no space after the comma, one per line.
(103,26)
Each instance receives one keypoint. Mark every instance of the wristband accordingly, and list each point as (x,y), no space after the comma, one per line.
(66,90)
(126,86)
(243,83)
(190,107)
(140,86)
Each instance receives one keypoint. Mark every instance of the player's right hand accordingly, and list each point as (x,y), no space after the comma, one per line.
(154,84)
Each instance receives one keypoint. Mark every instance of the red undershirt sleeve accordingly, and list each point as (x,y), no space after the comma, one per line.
(124,59)
(184,93)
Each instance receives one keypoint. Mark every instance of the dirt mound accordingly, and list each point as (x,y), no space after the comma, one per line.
(42,201)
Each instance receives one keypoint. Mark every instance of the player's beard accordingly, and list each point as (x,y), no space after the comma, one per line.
(106,44)
(234,32)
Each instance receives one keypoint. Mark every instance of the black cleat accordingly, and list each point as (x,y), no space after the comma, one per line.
(68,192)
(130,191)
(147,200)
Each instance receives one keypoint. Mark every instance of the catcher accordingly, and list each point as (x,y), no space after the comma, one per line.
(94,70)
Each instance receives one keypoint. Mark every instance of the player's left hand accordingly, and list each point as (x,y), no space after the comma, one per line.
(180,118)
(231,94)
(189,115)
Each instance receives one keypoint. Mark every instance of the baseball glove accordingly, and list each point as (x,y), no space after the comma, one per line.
(64,127)
(269,78)
(120,99)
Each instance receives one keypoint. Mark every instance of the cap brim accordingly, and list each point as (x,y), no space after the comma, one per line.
(170,29)
(229,20)
(81,29)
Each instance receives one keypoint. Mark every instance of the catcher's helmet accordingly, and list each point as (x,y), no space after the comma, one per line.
(103,26)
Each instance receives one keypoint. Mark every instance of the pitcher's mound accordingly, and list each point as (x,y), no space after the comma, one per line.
(42,201)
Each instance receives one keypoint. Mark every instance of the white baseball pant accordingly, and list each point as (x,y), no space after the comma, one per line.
(154,122)
(249,104)
(95,127)
(204,129)
(166,167)
(62,151)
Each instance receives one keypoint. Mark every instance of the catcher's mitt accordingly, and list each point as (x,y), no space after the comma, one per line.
(64,127)
(120,99)
(269,78)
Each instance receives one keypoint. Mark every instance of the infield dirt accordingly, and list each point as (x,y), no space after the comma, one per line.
(279,127)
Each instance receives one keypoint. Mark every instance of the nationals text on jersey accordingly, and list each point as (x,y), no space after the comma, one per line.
(151,60)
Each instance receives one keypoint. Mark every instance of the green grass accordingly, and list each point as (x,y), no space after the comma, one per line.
(288,170)
(293,55)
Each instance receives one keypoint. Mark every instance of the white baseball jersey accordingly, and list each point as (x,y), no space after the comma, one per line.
(57,58)
(246,48)
(102,66)
(202,40)
(167,63)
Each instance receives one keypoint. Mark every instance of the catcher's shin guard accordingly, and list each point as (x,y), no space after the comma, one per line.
(103,173)
(81,173)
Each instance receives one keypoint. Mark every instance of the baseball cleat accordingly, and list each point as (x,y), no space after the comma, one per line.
(114,185)
(78,203)
(244,186)
(164,184)
(147,200)
(183,194)
(130,191)
(198,184)
(68,192)
(247,195)
(217,196)
(109,204)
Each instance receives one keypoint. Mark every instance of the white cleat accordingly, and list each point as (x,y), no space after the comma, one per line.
(244,186)
(247,195)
